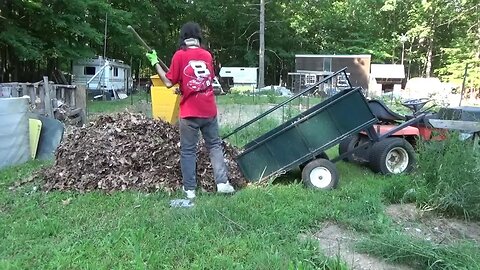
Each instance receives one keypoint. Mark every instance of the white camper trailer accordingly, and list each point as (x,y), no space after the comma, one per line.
(103,76)
(242,76)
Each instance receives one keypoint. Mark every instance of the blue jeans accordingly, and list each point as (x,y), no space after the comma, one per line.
(189,128)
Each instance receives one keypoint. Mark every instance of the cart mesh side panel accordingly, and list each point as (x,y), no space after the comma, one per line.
(305,136)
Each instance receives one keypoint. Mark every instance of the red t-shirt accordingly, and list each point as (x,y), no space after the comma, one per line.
(193,70)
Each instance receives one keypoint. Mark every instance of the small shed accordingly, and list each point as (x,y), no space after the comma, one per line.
(388,77)
(358,65)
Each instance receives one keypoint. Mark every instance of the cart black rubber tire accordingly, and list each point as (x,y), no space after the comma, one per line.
(320,167)
(381,150)
(321,155)
(348,144)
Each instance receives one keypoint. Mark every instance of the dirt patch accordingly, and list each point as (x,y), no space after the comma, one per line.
(128,151)
(337,241)
(426,225)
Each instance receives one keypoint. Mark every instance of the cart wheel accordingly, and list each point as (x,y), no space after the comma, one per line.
(392,156)
(321,174)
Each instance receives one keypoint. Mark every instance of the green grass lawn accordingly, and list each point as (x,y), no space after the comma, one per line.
(257,228)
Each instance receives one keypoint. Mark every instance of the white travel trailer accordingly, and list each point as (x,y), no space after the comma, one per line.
(242,76)
(103,76)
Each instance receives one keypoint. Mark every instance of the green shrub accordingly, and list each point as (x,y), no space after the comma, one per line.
(448,176)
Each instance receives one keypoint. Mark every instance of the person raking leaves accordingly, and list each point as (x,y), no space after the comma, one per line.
(192,68)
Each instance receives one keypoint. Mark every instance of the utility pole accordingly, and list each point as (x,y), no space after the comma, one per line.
(261,54)
(105,37)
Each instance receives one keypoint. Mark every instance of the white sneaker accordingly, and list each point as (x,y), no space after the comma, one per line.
(190,193)
(225,188)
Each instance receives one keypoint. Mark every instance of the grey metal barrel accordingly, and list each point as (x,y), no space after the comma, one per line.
(14,131)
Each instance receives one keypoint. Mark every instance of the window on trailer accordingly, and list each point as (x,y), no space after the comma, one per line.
(311,79)
(115,72)
(89,71)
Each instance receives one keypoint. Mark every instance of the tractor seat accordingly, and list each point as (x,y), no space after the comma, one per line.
(383,113)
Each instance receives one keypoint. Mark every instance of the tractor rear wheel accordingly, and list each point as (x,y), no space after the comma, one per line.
(392,156)
(360,156)
(320,174)
(348,144)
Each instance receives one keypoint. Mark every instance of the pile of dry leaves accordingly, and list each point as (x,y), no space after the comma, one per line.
(128,151)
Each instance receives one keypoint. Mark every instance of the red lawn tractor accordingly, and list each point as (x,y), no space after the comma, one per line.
(397,135)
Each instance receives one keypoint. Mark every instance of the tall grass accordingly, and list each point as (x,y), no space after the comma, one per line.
(447,179)
(421,254)
(449,175)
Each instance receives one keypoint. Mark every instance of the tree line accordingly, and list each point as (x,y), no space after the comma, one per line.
(431,37)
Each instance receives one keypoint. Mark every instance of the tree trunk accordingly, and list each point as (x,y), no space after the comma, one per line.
(13,67)
(409,60)
(2,63)
(428,67)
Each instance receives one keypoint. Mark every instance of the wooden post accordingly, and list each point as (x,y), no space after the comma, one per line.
(20,90)
(70,98)
(81,100)
(48,99)
(38,91)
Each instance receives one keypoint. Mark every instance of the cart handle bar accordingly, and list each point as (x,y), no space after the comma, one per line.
(288,100)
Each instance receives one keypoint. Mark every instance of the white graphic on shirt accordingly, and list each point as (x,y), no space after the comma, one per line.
(199,74)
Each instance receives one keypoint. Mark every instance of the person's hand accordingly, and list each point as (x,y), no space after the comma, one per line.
(177,91)
(152,57)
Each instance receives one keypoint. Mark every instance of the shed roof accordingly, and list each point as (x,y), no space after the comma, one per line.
(388,71)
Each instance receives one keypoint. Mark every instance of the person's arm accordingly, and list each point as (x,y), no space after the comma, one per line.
(152,56)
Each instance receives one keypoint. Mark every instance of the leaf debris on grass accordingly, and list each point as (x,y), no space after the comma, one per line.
(129,151)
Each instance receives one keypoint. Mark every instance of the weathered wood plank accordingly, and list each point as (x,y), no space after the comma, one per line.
(66,86)
(74,112)
(467,126)
(39,92)
(81,101)
(48,99)
(76,120)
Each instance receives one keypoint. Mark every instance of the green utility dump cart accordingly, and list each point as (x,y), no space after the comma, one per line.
(302,140)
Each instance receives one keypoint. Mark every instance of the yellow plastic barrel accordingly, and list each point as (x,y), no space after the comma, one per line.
(165,103)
